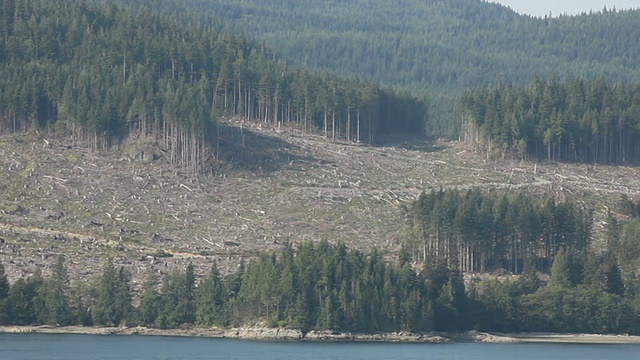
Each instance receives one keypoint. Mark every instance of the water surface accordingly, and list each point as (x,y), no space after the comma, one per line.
(114,347)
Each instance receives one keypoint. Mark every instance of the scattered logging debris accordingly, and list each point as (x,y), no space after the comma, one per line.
(282,186)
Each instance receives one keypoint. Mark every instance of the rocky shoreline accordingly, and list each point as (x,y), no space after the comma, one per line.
(280,334)
(248,333)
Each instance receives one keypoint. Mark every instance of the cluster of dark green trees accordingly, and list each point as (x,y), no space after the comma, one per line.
(438,47)
(325,286)
(574,120)
(476,231)
(54,300)
(585,293)
(100,72)
(329,287)
(312,287)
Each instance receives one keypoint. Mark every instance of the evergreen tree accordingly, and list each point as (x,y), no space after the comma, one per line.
(57,292)
(80,303)
(25,303)
(561,270)
(614,284)
(211,299)
(529,282)
(122,296)
(151,302)
(4,292)
(4,283)
(178,299)
(19,304)
(112,304)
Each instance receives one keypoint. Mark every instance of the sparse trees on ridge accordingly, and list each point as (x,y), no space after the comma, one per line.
(100,73)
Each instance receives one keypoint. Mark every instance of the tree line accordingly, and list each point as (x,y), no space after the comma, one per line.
(329,287)
(325,286)
(573,120)
(99,73)
(476,231)
(320,286)
(440,48)
(586,293)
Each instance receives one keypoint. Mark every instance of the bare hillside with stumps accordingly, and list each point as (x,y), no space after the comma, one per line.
(271,186)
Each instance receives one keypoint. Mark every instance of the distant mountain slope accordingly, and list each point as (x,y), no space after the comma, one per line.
(437,46)
(100,72)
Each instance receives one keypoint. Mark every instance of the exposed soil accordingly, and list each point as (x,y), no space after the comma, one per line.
(276,186)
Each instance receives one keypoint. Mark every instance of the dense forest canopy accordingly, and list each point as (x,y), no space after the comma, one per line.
(474,231)
(574,120)
(438,47)
(100,72)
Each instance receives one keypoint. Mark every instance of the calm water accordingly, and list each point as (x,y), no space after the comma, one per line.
(96,347)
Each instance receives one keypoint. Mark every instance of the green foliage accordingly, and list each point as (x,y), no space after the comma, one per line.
(99,72)
(481,231)
(112,304)
(80,303)
(211,298)
(25,304)
(57,294)
(575,120)
(151,303)
(627,253)
(494,306)
(561,274)
(529,282)
(438,47)
(4,292)
(4,283)
(178,299)
(327,287)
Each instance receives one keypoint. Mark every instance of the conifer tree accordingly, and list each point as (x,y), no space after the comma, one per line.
(57,292)
(151,302)
(4,283)
(211,299)
(561,270)
(112,304)
(25,303)
(178,299)
(4,293)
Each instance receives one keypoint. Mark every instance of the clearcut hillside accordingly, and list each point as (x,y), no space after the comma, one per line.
(281,186)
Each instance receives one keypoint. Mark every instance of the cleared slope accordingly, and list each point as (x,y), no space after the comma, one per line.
(280,186)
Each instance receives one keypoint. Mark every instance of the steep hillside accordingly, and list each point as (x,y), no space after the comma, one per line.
(440,47)
(281,186)
(100,73)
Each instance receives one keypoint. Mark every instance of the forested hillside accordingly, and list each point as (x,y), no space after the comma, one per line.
(438,47)
(100,73)
(574,120)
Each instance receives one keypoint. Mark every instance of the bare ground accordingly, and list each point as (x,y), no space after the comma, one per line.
(278,186)
(263,333)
